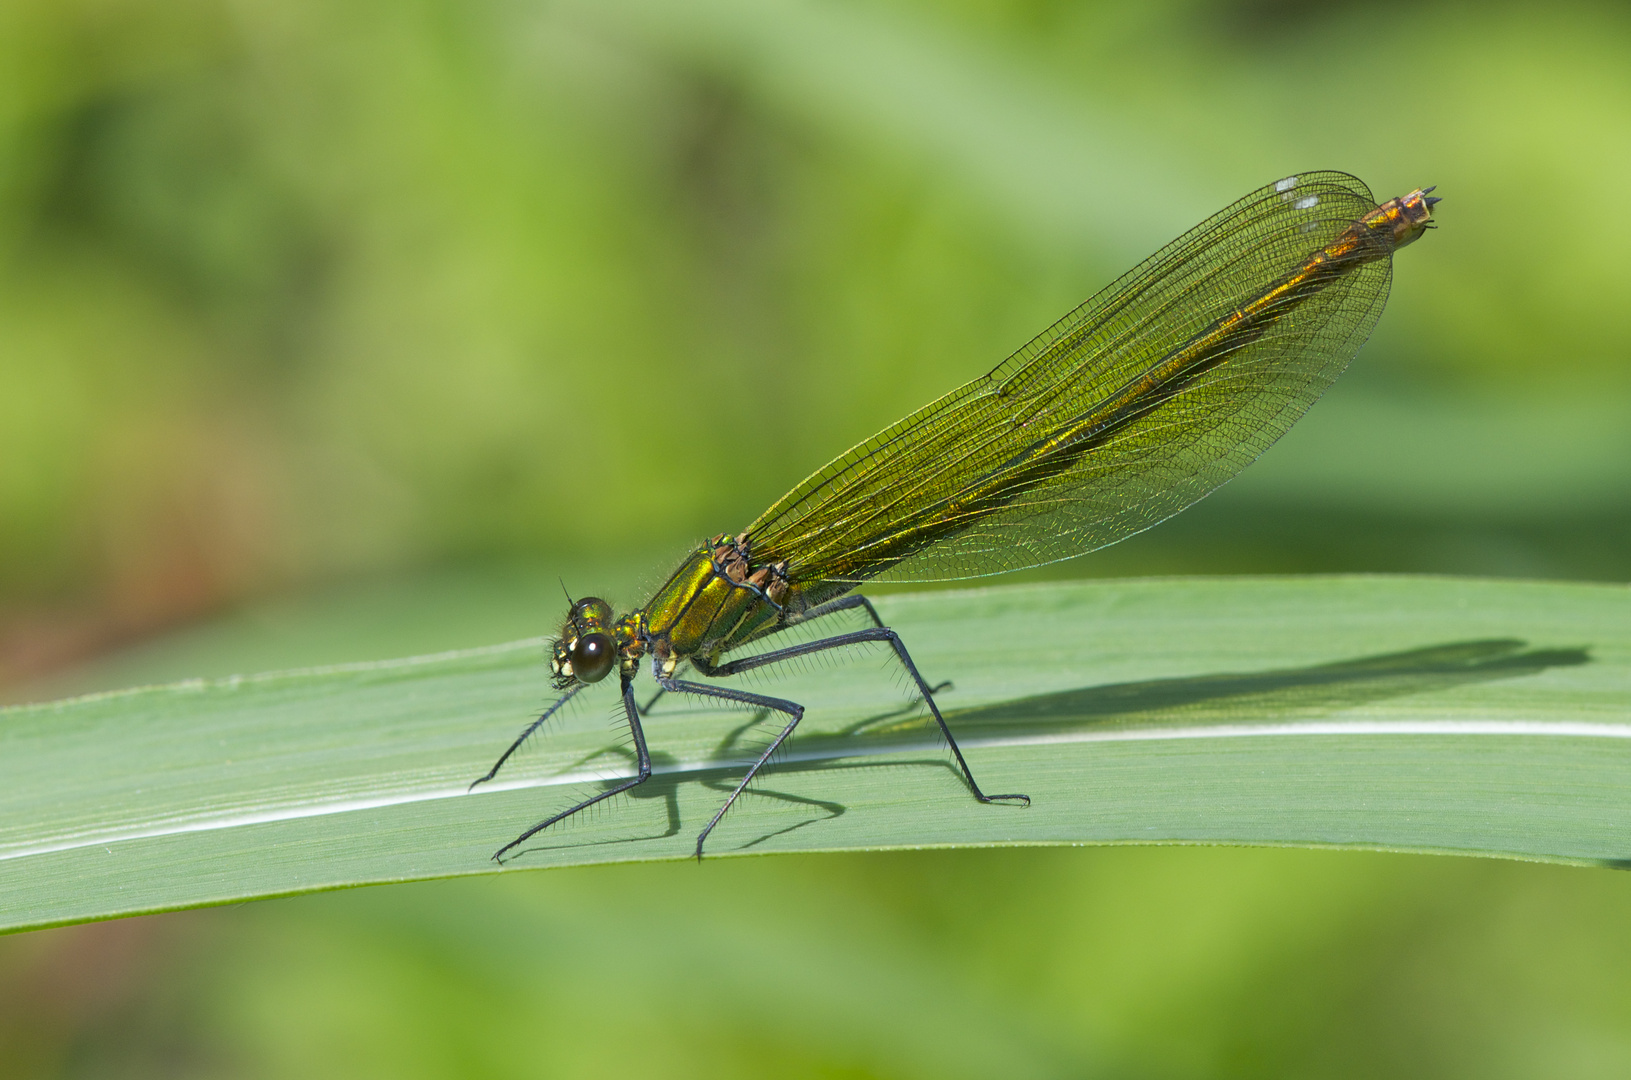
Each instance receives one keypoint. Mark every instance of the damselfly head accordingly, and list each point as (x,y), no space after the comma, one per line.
(586,651)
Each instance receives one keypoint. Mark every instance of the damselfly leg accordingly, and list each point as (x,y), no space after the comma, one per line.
(525,735)
(838,641)
(642,770)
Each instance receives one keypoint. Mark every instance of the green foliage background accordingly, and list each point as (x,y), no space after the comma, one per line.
(349,326)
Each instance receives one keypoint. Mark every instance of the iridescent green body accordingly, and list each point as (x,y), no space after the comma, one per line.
(1141,401)
(707,608)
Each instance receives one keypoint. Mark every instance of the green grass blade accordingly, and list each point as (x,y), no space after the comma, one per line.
(1475,717)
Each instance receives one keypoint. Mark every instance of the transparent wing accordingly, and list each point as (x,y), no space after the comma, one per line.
(1090,433)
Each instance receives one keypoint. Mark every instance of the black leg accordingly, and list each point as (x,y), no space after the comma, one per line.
(791,708)
(877,633)
(524,736)
(847,603)
(642,774)
(843,603)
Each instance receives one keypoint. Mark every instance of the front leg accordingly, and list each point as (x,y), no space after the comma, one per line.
(642,773)
(524,736)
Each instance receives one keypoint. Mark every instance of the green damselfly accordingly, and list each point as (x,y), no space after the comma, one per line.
(1138,403)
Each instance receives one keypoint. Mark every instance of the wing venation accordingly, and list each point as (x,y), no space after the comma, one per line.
(1141,401)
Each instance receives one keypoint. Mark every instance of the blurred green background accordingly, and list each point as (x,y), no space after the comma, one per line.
(338,331)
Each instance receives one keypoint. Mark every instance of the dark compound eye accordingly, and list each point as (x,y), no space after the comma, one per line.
(592,657)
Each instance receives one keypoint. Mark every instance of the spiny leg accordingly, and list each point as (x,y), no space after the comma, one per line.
(843,603)
(642,774)
(856,600)
(856,637)
(524,736)
(791,708)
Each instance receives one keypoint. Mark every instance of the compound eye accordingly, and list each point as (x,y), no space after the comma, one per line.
(592,657)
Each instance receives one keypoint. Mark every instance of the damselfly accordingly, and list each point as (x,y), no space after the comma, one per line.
(1130,408)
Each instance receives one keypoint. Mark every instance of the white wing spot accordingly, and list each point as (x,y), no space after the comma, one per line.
(1287,184)
(1308,203)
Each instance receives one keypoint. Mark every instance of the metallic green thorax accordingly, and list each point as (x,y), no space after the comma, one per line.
(716,601)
